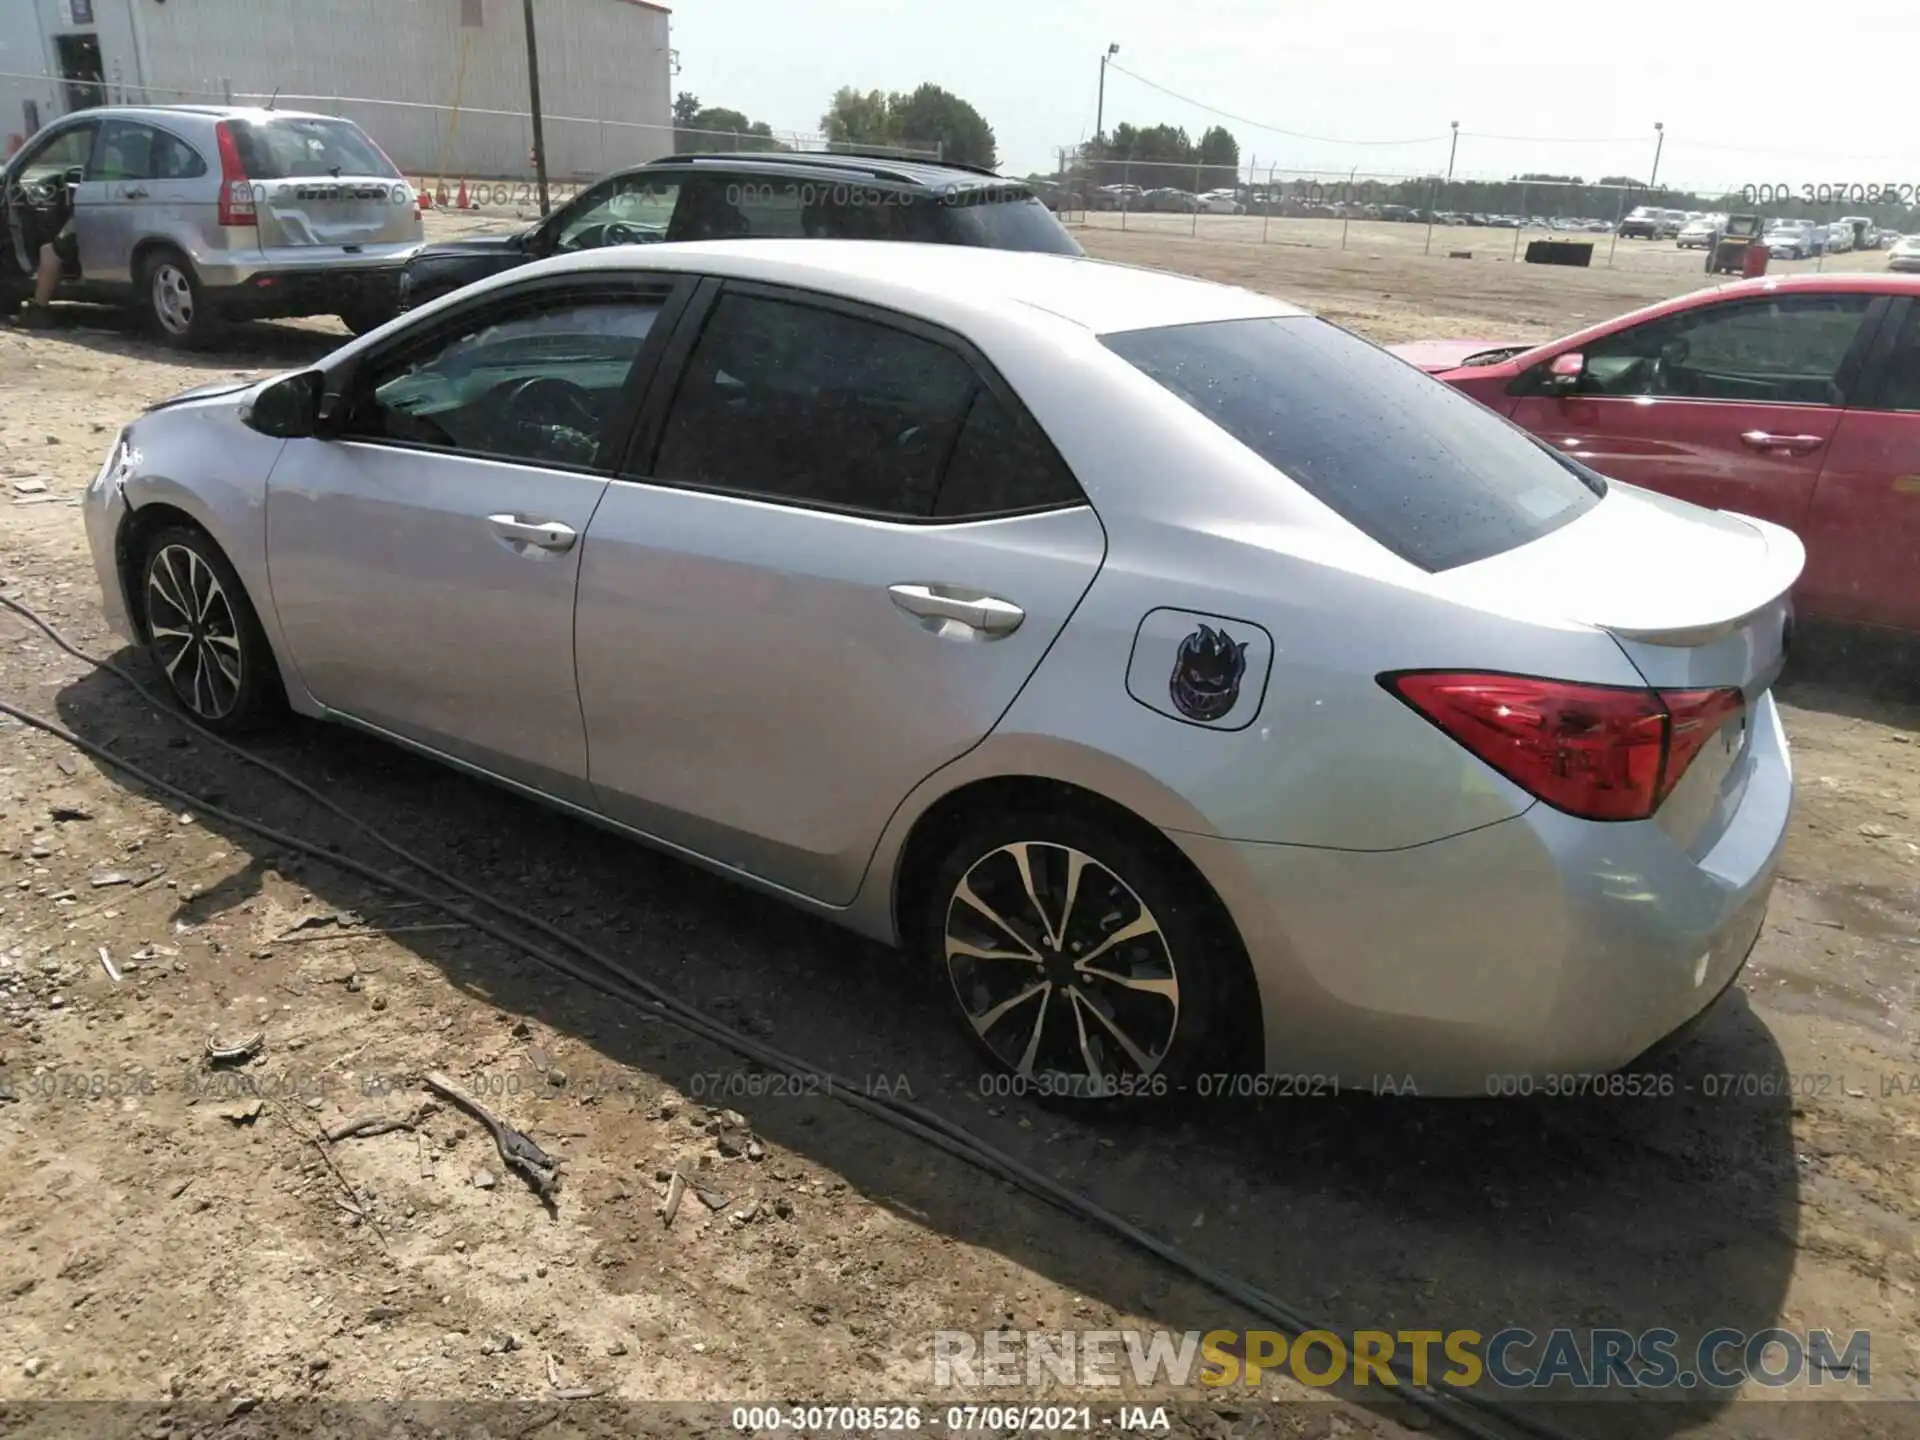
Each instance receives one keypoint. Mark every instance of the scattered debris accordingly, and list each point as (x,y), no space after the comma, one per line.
(245,1114)
(363,1125)
(712,1199)
(676,1192)
(106,963)
(110,877)
(500,1343)
(29,487)
(239,1054)
(484,1180)
(535,1166)
(65,810)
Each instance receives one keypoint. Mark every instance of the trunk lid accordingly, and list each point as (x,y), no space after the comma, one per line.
(1699,600)
(319,181)
(1696,598)
(1434,356)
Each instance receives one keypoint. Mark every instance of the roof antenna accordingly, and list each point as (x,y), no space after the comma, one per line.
(273,97)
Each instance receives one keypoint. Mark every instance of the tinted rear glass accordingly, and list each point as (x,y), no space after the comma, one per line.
(1001,220)
(1432,475)
(296,148)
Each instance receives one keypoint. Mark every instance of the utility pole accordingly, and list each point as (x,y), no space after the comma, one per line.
(533,96)
(1100,108)
(1452,150)
(1659,139)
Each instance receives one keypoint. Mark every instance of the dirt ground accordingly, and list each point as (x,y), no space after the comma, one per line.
(172,1233)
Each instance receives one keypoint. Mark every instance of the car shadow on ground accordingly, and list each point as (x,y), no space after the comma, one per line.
(1862,673)
(256,345)
(1674,1209)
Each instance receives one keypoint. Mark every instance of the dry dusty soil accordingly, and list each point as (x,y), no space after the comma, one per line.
(185,1238)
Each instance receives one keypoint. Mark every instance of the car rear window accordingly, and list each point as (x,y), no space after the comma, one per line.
(1006,220)
(1427,472)
(300,147)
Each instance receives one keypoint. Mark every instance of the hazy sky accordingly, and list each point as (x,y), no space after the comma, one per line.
(1787,94)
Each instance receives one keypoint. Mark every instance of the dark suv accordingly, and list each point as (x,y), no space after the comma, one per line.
(739,197)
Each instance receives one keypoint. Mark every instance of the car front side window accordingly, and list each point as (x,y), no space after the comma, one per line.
(627,212)
(1900,377)
(1782,350)
(541,382)
(69,150)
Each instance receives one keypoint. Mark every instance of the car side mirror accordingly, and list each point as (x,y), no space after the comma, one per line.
(289,409)
(1564,373)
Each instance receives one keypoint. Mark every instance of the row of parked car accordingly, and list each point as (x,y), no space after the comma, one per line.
(1785,239)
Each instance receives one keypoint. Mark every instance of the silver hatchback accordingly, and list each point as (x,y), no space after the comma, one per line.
(196,215)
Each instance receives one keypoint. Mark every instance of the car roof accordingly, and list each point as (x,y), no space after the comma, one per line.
(945,176)
(212,112)
(947,280)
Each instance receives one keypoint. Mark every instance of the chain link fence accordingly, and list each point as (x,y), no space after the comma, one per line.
(1473,217)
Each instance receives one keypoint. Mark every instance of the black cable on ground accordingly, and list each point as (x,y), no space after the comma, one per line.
(607,977)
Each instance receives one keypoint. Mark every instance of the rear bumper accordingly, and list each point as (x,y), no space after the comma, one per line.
(281,292)
(1533,948)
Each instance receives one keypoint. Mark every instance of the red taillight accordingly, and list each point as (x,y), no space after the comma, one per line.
(236,190)
(1602,752)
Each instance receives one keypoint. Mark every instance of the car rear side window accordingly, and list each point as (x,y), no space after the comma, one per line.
(125,152)
(800,403)
(759,207)
(1418,466)
(1001,464)
(1000,219)
(299,147)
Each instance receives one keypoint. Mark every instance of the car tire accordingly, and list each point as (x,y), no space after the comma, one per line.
(204,635)
(1132,1028)
(173,302)
(362,318)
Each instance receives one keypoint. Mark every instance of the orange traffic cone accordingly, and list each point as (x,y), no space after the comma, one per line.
(462,202)
(440,195)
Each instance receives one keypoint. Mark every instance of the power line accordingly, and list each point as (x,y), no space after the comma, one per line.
(1260,124)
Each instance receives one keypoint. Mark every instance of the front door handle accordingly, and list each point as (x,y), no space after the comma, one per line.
(1765,440)
(139,192)
(988,614)
(540,534)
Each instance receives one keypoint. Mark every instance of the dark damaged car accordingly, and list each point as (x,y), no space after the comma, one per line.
(788,195)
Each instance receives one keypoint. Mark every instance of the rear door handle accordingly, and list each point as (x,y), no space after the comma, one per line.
(540,534)
(138,193)
(1765,440)
(988,614)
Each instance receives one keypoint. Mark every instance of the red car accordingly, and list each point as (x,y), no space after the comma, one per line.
(1796,399)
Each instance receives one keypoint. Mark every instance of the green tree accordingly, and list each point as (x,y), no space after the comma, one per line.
(932,115)
(1220,155)
(854,118)
(715,127)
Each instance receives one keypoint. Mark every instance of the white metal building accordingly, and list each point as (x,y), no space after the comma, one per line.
(440,84)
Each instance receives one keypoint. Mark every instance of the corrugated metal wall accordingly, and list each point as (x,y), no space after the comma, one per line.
(605,76)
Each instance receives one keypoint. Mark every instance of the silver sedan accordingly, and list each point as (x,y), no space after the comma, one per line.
(1203,690)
